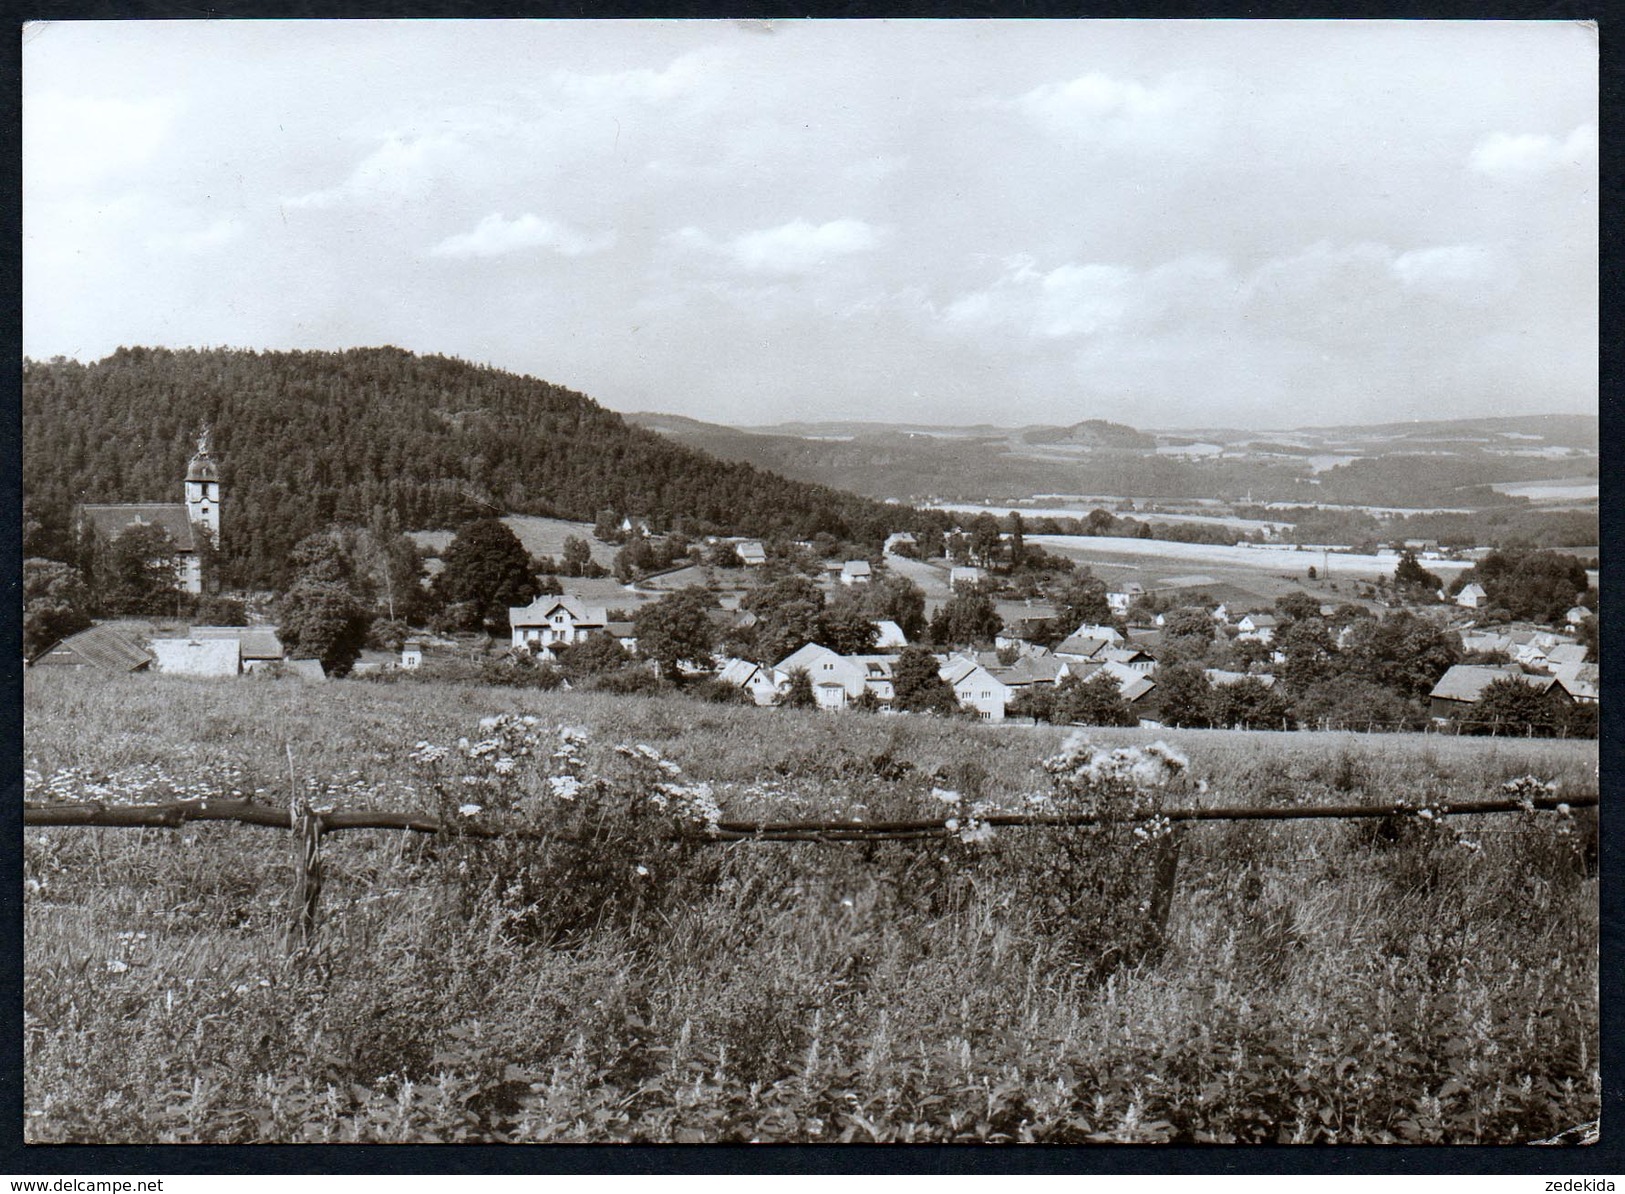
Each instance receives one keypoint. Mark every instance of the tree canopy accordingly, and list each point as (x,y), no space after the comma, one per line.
(488,570)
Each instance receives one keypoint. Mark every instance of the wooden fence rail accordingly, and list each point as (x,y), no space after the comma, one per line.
(174,814)
(310,825)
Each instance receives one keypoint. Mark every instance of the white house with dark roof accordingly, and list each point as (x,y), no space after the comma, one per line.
(553,621)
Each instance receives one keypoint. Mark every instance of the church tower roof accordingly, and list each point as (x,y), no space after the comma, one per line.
(202,466)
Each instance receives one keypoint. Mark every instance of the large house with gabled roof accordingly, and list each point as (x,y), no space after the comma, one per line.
(552,620)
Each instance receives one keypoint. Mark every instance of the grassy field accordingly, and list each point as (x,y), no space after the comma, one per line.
(1340,982)
(540,537)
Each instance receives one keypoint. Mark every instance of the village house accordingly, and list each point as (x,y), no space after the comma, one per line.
(553,621)
(186,523)
(1576,615)
(964,574)
(1133,658)
(1257,628)
(855,572)
(258,647)
(976,687)
(1134,687)
(1472,596)
(1563,654)
(765,685)
(1021,632)
(889,634)
(838,680)
(1580,680)
(1218,677)
(411,654)
(1082,648)
(196,657)
(1120,599)
(750,553)
(899,539)
(1464,685)
(102,648)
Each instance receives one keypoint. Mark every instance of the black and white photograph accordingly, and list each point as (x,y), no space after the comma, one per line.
(814,582)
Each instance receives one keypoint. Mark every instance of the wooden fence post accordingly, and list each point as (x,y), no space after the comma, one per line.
(1163,878)
(307,874)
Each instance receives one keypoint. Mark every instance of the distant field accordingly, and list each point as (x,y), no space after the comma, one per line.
(1239,524)
(1565,489)
(1156,553)
(540,536)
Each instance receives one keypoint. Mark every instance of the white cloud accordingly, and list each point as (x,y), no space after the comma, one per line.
(796,247)
(1091,299)
(1535,153)
(74,141)
(1472,272)
(687,76)
(404,167)
(495,236)
(1099,107)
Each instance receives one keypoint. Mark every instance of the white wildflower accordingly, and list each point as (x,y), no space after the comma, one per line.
(116,966)
(944,795)
(642,870)
(469,810)
(564,787)
(976,833)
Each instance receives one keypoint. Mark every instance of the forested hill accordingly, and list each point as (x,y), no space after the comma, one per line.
(305,439)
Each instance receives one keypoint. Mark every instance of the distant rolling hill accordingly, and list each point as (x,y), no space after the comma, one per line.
(981,462)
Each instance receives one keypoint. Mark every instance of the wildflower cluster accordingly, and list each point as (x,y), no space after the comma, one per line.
(1127,782)
(1526,789)
(143,783)
(482,769)
(968,822)
(690,803)
(570,761)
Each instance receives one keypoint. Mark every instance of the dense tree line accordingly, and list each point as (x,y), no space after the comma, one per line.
(309,439)
(1537,585)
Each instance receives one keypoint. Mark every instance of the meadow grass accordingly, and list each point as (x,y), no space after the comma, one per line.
(1381,981)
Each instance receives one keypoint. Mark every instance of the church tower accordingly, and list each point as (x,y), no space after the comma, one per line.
(203,489)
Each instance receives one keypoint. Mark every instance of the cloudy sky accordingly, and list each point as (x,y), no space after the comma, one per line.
(1163,223)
